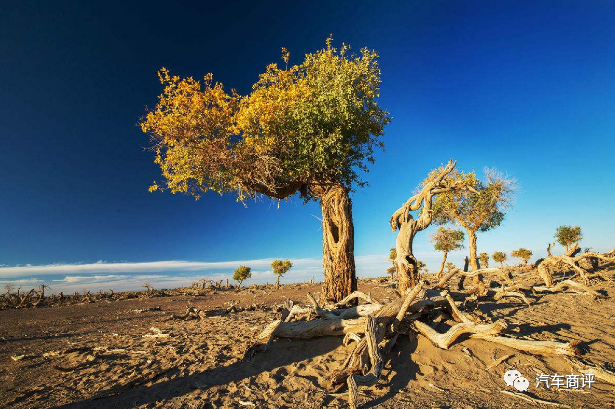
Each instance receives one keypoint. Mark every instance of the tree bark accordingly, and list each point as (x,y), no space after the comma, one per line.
(407,270)
(473,256)
(402,221)
(277,282)
(337,244)
(439,273)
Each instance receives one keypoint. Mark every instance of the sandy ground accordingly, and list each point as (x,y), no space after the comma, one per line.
(133,354)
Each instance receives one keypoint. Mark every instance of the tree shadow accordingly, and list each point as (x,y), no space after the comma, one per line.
(280,353)
(406,370)
(527,329)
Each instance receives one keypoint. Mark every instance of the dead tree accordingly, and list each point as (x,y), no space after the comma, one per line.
(552,263)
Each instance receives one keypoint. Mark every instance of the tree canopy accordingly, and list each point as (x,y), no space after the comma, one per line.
(523,254)
(301,128)
(479,209)
(242,273)
(484,259)
(499,257)
(280,267)
(446,239)
(567,235)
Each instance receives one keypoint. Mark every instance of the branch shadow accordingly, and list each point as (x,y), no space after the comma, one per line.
(280,353)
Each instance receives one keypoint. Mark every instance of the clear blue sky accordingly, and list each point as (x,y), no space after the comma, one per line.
(525,86)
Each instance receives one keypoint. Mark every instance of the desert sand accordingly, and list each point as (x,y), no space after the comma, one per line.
(140,353)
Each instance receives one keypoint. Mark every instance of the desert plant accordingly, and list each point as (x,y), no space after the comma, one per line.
(436,183)
(280,267)
(242,273)
(522,254)
(446,240)
(307,129)
(479,209)
(499,257)
(148,287)
(392,257)
(568,235)
(484,260)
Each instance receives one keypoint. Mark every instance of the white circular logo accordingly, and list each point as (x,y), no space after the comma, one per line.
(514,378)
(521,384)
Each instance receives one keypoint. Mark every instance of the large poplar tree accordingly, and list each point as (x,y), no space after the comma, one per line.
(307,129)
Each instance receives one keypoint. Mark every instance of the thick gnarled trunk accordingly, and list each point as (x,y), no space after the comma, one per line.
(406,263)
(337,244)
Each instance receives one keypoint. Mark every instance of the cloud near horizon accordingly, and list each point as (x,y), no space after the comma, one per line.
(168,274)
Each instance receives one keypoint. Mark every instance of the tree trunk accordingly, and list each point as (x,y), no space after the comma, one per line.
(337,244)
(473,256)
(277,282)
(439,274)
(407,270)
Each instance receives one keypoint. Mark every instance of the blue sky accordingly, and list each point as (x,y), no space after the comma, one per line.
(524,86)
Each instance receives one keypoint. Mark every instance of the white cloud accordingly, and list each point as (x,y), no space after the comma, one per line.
(171,274)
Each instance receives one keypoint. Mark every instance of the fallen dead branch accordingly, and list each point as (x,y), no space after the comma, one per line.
(597,371)
(504,292)
(530,399)
(533,346)
(552,263)
(499,361)
(374,328)
(568,284)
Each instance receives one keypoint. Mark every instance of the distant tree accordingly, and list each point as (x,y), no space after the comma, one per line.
(306,129)
(420,266)
(499,257)
(523,254)
(484,260)
(568,235)
(392,257)
(148,287)
(480,210)
(280,267)
(242,273)
(446,240)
